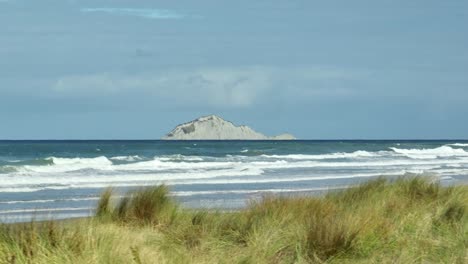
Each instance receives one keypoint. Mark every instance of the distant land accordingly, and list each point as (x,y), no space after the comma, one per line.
(213,127)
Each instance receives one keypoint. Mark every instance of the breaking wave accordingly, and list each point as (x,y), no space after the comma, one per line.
(443,151)
(340,155)
(127,158)
(67,177)
(134,170)
(458,144)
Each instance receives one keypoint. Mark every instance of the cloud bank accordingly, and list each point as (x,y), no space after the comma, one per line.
(138,12)
(221,87)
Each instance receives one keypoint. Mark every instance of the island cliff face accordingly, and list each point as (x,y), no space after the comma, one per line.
(215,128)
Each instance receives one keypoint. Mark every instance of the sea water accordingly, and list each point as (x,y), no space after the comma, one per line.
(63,179)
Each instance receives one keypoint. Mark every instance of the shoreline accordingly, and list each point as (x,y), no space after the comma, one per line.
(405,219)
(258,195)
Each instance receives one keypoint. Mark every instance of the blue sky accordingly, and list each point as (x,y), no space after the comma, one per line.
(317,69)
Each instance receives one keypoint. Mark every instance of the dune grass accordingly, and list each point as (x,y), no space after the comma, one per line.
(408,220)
(144,206)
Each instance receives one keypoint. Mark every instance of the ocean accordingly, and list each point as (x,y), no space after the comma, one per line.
(63,179)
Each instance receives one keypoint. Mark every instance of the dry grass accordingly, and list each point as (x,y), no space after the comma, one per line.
(408,220)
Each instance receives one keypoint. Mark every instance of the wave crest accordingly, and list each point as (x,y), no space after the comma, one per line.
(337,155)
(458,144)
(127,158)
(443,151)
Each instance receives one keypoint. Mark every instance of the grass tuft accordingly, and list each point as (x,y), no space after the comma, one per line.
(328,237)
(103,208)
(417,188)
(454,213)
(147,204)
(143,206)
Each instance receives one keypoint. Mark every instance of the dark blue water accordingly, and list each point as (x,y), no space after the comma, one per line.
(61,179)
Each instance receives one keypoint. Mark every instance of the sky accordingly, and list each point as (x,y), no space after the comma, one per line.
(363,69)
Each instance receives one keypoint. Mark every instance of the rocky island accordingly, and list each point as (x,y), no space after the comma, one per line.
(215,128)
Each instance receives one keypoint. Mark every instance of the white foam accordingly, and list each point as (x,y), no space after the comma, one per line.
(192,193)
(443,151)
(452,171)
(446,178)
(70,164)
(77,180)
(379,163)
(458,144)
(65,173)
(19,189)
(294,179)
(87,161)
(338,155)
(45,210)
(159,171)
(166,164)
(104,164)
(266,180)
(50,200)
(27,202)
(179,157)
(199,165)
(99,183)
(127,158)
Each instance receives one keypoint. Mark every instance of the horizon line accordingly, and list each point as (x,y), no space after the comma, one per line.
(333,139)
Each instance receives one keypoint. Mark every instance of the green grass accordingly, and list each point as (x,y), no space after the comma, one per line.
(408,220)
(144,206)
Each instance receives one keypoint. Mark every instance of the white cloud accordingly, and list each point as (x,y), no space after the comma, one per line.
(139,12)
(225,87)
